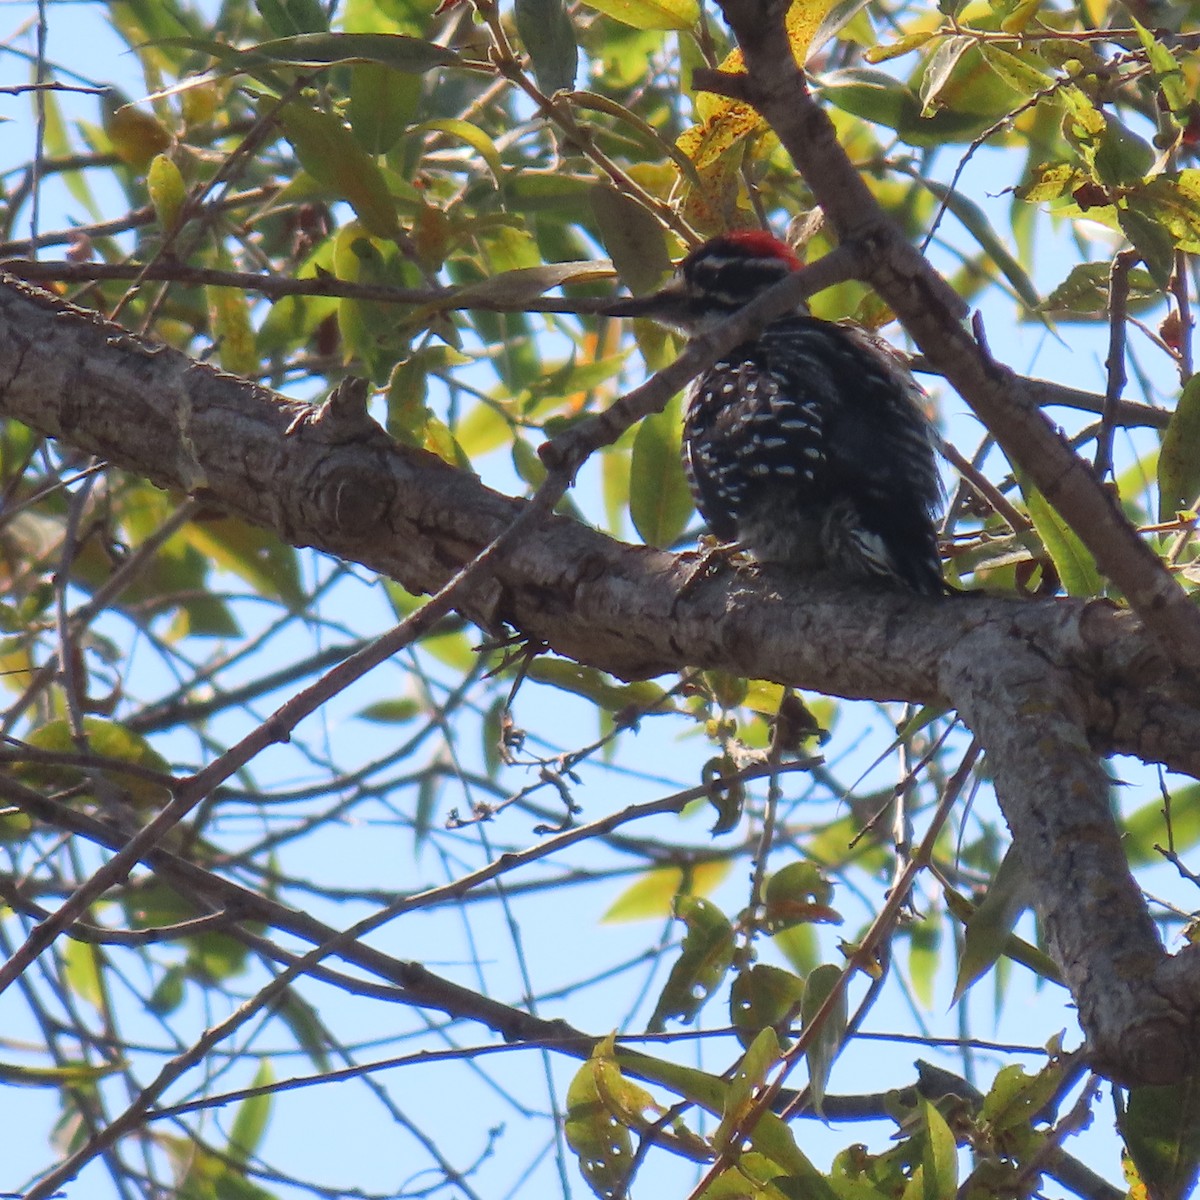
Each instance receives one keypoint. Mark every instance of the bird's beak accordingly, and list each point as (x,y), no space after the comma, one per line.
(660,305)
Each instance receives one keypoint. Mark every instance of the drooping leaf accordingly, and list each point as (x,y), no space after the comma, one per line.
(136,135)
(1016,1098)
(547,33)
(308,51)
(1168,73)
(229,321)
(1179,457)
(939,1156)
(167,190)
(1015,948)
(252,1117)
(1146,828)
(824,1047)
(1021,72)
(601,1143)
(67,1074)
(259,558)
(330,153)
(990,925)
(1072,560)
(977,224)
(109,741)
(704,959)
(660,502)
(747,1078)
(633,238)
(939,71)
(81,970)
(1161,1128)
(596,685)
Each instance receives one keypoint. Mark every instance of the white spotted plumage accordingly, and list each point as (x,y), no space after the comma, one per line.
(806,445)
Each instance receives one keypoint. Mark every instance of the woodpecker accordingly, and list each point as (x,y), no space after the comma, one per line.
(808,445)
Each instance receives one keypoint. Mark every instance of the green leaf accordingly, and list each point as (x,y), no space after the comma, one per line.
(1173,200)
(726,792)
(601,1143)
(873,95)
(391,712)
(81,969)
(1168,74)
(748,1076)
(775,1140)
(66,1075)
(287,17)
(988,928)
(473,136)
(1051,181)
(939,1156)
(595,685)
(1161,1128)
(764,997)
(1022,75)
(1083,295)
(650,14)
(1015,948)
(204,1175)
(545,30)
(308,51)
(168,992)
(1151,239)
(1179,458)
(528,283)
(254,555)
(704,959)
(940,69)
(383,103)
(1122,158)
(302,1020)
(977,224)
(330,153)
(167,191)
(885,52)
(252,1117)
(108,740)
(1147,825)
(1072,560)
(924,957)
(408,415)
(798,894)
(136,135)
(823,1049)
(1016,1098)
(752,1177)
(652,894)
(229,323)
(660,502)
(633,237)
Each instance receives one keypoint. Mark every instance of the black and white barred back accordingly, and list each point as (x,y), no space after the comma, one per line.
(807,446)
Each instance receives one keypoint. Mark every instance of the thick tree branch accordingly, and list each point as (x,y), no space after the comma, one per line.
(335,481)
